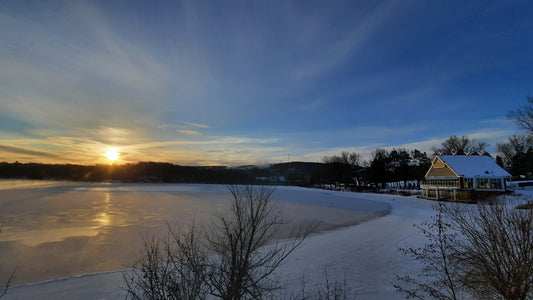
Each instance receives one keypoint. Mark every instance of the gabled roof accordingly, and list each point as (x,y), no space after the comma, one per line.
(473,165)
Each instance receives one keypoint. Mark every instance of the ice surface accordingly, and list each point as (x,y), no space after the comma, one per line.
(60,229)
(366,254)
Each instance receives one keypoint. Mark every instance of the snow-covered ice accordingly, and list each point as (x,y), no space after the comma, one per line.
(363,247)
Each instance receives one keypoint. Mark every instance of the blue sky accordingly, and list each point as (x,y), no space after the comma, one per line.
(234,82)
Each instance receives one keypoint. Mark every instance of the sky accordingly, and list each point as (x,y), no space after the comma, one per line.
(256,82)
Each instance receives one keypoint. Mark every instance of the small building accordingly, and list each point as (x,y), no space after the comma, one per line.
(464,178)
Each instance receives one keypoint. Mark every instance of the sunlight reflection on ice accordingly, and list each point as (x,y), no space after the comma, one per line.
(33,238)
(36,237)
(28,184)
(104,218)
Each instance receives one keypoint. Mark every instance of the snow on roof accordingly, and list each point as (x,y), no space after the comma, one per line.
(474,165)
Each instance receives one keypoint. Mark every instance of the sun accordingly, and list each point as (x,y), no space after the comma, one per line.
(112,154)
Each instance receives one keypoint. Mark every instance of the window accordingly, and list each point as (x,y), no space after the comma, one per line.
(468,183)
(495,183)
(443,182)
(489,183)
(482,183)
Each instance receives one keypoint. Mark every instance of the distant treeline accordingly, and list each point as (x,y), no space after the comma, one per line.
(293,173)
(346,169)
(137,172)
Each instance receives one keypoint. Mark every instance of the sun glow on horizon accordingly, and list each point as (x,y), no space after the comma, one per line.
(112,154)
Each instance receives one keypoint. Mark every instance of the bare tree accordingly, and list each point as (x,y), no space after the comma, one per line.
(439,275)
(234,258)
(523,116)
(514,146)
(496,250)
(460,145)
(246,251)
(490,257)
(342,168)
(173,268)
(345,157)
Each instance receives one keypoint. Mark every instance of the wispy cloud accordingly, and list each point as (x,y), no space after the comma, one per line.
(196,125)
(209,151)
(192,129)
(491,134)
(189,132)
(77,83)
(27,152)
(334,53)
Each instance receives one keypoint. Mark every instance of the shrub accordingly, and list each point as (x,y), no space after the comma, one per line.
(233,258)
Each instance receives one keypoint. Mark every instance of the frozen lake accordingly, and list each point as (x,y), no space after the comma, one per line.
(63,229)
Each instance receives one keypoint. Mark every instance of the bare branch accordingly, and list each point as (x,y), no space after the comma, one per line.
(245,246)
(173,268)
(523,116)
(485,250)
(440,265)
(462,145)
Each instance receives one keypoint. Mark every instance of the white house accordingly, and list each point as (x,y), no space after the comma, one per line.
(463,177)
